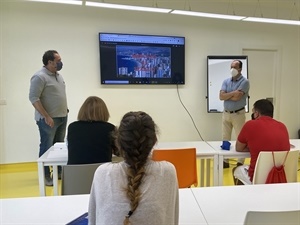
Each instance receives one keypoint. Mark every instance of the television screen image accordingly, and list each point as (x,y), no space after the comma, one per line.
(141,59)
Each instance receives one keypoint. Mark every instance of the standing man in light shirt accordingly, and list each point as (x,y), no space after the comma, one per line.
(234,92)
(48,96)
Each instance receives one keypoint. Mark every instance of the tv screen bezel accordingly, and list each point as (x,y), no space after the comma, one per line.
(110,72)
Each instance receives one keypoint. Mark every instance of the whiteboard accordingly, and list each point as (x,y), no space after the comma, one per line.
(218,69)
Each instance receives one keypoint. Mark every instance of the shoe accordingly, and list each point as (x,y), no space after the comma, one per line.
(48,181)
(225,165)
(236,181)
(239,164)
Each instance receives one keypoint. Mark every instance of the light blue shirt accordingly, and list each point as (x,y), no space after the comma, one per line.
(230,85)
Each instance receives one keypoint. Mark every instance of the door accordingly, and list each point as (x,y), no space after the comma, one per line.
(263,71)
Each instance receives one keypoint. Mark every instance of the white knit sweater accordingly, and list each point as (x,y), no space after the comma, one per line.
(159,195)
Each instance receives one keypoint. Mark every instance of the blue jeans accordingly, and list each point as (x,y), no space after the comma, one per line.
(49,136)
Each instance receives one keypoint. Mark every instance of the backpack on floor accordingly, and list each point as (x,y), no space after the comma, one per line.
(277,173)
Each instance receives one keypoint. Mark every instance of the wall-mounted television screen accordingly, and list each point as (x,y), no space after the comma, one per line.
(141,59)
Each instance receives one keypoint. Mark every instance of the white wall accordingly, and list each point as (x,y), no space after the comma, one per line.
(29,29)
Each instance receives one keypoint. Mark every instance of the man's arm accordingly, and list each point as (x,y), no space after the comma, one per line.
(233,95)
(241,147)
(237,95)
(39,107)
(225,96)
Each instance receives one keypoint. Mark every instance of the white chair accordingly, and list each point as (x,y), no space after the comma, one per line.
(273,218)
(265,163)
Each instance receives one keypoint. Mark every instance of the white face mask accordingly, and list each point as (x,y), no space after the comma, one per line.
(233,72)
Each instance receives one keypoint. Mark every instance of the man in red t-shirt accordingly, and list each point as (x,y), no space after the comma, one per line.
(263,133)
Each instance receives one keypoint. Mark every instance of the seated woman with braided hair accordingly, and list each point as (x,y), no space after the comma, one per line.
(137,191)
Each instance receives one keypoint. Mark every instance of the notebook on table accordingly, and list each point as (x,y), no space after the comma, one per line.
(81,220)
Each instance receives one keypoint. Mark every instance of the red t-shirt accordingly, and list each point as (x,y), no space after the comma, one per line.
(263,134)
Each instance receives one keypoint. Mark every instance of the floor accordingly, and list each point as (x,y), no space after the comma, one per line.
(21,179)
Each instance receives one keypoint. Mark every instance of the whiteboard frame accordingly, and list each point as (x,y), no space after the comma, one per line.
(218,69)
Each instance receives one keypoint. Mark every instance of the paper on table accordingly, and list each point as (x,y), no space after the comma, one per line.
(58,154)
(60,145)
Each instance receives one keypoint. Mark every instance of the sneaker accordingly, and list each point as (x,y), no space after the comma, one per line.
(48,181)
(235,180)
(225,165)
(239,164)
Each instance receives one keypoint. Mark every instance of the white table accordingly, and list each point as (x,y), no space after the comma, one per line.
(56,158)
(229,204)
(60,210)
(296,143)
(42,210)
(52,158)
(225,154)
(203,152)
(232,153)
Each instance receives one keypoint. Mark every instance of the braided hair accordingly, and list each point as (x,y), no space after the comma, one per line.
(136,138)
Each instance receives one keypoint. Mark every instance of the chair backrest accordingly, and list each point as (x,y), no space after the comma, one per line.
(78,179)
(184,160)
(265,163)
(273,218)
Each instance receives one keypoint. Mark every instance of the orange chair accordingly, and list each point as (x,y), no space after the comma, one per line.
(184,160)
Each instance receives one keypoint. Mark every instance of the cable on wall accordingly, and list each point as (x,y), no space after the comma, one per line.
(188,113)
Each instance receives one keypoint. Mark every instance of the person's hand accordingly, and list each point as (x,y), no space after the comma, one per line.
(49,121)
(237,93)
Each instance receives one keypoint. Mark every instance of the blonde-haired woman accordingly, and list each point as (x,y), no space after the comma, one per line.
(138,190)
(90,139)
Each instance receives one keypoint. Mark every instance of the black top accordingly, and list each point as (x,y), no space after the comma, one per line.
(90,142)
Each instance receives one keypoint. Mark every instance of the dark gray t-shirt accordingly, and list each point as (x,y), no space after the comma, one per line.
(50,89)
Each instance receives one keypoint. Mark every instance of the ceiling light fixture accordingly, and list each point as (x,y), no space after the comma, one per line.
(208,15)
(127,7)
(268,20)
(71,2)
(179,12)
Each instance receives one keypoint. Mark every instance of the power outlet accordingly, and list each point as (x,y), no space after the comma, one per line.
(2,102)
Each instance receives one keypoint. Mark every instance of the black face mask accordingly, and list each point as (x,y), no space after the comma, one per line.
(252,116)
(59,66)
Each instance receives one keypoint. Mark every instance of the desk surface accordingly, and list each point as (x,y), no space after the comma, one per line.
(229,204)
(216,145)
(62,209)
(61,156)
(232,152)
(42,210)
(54,156)
(202,148)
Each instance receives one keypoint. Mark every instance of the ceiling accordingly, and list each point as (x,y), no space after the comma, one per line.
(277,9)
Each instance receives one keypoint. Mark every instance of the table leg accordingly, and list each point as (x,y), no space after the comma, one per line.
(221,159)
(202,172)
(207,172)
(55,180)
(41,173)
(216,170)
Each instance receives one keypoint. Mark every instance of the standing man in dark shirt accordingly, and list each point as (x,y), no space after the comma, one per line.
(48,96)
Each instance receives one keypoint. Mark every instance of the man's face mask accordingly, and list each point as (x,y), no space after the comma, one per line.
(234,72)
(59,65)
